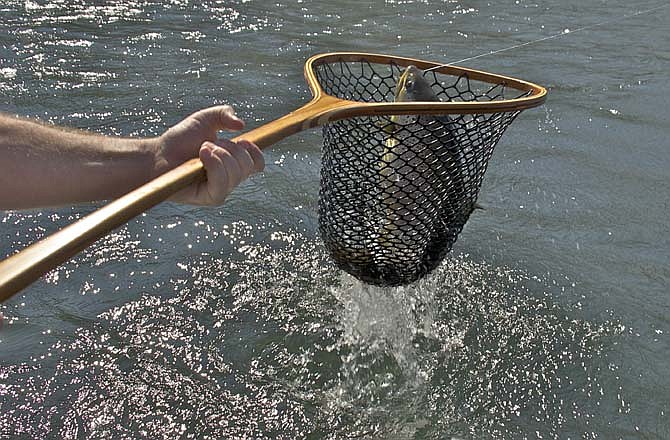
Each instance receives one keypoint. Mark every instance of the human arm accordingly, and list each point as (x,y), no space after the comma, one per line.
(41,165)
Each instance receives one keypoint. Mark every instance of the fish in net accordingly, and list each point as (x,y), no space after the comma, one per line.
(396,191)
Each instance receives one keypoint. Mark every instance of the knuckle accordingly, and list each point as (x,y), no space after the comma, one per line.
(226,112)
(221,151)
(260,163)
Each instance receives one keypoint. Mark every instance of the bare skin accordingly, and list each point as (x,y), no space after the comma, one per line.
(42,165)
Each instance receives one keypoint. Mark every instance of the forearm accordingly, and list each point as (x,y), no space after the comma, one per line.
(47,166)
(42,165)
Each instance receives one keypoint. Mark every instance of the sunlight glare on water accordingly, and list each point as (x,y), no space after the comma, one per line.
(299,348)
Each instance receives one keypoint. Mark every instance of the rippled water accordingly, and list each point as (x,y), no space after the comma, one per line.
(548,320)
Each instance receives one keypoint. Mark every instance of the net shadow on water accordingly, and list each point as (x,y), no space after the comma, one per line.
(274,343)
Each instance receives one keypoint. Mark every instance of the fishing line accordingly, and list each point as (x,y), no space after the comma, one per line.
(550,37)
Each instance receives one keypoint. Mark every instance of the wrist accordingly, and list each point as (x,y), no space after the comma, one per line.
(153,148)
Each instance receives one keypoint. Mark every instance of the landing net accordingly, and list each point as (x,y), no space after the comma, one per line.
(396,193)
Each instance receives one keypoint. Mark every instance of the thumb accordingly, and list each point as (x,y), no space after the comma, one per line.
(220,117)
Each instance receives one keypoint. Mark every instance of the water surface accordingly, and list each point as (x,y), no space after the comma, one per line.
(548,319)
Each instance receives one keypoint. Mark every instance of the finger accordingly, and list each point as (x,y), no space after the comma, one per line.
(232,156)
(255,153)
(240,152)
(220,117)
(227,164)
(224,171)
(218,184)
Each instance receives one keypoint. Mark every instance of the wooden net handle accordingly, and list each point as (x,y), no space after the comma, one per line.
(21,269)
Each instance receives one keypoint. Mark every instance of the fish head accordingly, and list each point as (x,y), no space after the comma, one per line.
(413,86)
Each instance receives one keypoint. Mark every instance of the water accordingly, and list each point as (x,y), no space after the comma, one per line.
(548,320)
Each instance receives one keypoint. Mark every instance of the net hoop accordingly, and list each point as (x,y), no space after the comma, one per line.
(400,178)
(535,95)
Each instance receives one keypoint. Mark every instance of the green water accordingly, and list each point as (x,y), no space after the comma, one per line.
(548,320)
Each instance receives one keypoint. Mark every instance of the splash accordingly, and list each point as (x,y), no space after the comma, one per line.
(272,342)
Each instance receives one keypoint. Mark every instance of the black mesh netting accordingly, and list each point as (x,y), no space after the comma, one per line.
(395,194)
